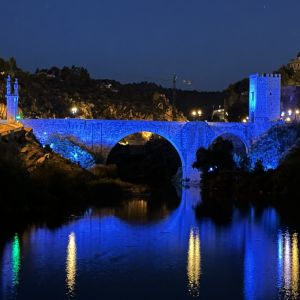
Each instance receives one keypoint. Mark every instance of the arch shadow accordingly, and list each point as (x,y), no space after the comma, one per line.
(155,133)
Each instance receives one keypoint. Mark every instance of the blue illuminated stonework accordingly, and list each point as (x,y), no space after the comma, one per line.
(71,150)
(103,135)
(273,146)
(264,97)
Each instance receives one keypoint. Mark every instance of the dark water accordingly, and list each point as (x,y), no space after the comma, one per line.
(132,253)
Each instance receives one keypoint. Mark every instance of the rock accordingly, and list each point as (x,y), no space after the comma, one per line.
(42,159)
(32,153)
(25,149)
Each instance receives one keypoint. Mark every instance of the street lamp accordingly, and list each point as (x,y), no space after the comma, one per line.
(290,112)
(196,114)
(74,110)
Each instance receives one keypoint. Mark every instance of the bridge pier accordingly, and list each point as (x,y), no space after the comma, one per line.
(191,175)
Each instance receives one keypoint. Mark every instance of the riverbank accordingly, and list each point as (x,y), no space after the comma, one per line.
(37,182)
(222,191)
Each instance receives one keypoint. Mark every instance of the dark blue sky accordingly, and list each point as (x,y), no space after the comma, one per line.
(211,42)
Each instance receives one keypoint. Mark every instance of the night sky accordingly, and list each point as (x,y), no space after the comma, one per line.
(211,42)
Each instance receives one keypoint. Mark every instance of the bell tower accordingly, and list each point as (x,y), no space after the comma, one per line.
(12,99)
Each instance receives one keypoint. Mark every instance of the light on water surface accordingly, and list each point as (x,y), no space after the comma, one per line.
(288,265)
(16,260)
(194,263)
(71,265)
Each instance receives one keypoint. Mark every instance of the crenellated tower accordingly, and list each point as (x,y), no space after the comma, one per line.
(264,97)
(12,99)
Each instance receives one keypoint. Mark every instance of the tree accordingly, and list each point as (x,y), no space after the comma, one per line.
(218,157)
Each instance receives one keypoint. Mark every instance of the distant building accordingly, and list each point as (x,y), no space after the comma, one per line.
(218,115)
(295,63)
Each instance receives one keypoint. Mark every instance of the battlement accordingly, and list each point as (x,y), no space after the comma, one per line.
(265,75)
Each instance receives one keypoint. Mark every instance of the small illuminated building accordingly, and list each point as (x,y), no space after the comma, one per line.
(295,63)
(218,115)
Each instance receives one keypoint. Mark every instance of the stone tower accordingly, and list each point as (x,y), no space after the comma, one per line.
(12,99)
(264,97)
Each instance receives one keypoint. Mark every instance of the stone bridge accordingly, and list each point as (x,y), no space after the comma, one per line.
(186,137)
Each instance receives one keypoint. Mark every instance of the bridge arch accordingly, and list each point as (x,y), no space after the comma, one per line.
(239,144)
(158,134)
(161,135)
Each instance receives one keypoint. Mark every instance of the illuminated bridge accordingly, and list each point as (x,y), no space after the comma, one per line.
(186,137)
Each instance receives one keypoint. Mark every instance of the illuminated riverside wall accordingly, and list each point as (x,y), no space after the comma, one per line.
(103,135)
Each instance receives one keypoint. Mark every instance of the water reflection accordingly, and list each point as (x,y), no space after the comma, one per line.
(11,266)
(288,265)
(194,263)
(134,210)
(71,267)
(16,260)
(140,244)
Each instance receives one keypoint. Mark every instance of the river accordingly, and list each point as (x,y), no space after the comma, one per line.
(138,252)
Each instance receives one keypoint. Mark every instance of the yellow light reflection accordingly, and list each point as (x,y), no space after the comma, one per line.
(289,266)
(137,208)
(295,266)
(287,262)
(71,265)
(194,263)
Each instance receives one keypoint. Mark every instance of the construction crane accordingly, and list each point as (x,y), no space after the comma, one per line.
(174,80)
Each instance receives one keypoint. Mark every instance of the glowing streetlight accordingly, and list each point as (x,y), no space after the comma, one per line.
(288,119)
(290,112)
(74,110)
(244,120)
(196,113)
(282,114)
